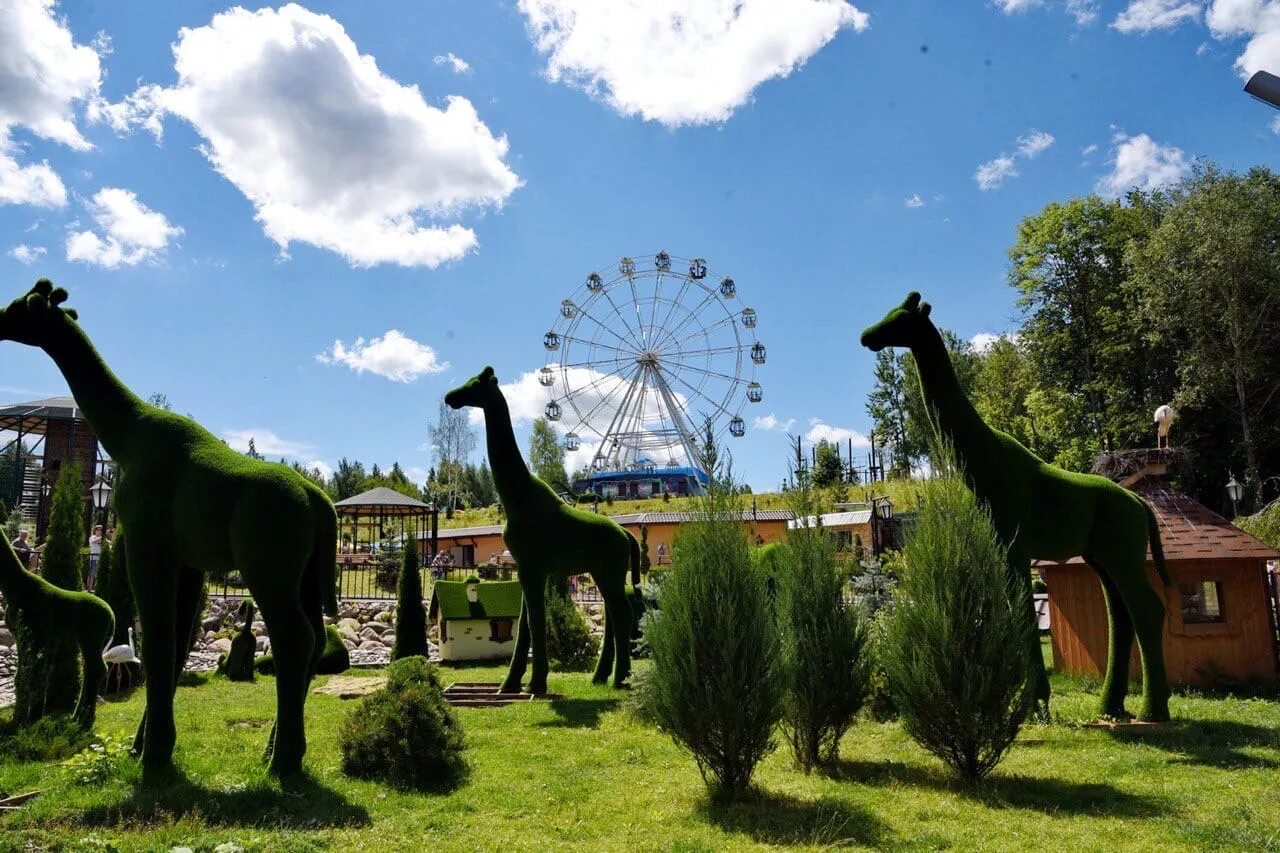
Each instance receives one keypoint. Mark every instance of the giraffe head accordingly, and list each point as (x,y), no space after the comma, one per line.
(901,327)
(476,391)
(36,317)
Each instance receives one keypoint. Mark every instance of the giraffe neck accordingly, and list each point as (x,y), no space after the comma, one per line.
(110,407)
(19,586)
(510,475)
(955,416)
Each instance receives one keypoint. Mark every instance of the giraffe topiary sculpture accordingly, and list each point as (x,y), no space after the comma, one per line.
(1043,512)
(191,505)
(549,538)
(44,615)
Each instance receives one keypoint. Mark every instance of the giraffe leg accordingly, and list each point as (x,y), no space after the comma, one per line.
(94,634)
(292,649)
(1144,613)
(1119,646)
(603,668)
(519,657)
(189,595)
(536,611)
(1038,679)
(618,612)
(155,591)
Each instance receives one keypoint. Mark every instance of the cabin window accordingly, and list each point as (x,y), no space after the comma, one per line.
(1202,603)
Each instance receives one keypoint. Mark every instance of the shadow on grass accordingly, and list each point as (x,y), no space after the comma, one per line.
(579,713)
(1211,743)
(300,802)
(772,818)
(1001,791)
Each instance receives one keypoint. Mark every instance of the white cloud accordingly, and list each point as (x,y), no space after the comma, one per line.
(1275,125)
(331,151)
(1010,7)
(324,469)
(1088,150)
(681,62)
(771,422)
(993,173)
(394,356)
(982,341)
(1139,161)
(1144,16)
(457,63)
(915,202)
(131,232)
(1085,12)
(820,431)
(28,255)
(1259,20)
(1034,143)
(44,74)
(267,443)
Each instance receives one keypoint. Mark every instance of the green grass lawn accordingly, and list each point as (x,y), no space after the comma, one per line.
(582,773)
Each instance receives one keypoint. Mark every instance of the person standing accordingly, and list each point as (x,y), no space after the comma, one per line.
(23,549)
(95,551)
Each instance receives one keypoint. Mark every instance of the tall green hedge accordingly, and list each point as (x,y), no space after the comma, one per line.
(60,565)
(411,617)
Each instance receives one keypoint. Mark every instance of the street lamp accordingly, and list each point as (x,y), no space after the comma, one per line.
(1235,491)
(101,493)
(1265,87)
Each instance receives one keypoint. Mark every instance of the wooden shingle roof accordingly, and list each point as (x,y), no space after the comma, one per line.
(1191,531)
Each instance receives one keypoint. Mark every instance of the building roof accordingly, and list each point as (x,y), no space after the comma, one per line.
(464,532)
(381,501)
(32,416)
(1191,531)
(626,520)
(856,518)
(497,600)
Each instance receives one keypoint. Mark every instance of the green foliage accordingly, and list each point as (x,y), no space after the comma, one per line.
(118,591)
(546,456)
(1265,524)
(99,762)
(103,580)
(346,479)
(60,565)
(828,469)
(717,684)
(954,646)
(571,646)
(411,616)
(405,735)
(47,739)
(645,562)
(824,643)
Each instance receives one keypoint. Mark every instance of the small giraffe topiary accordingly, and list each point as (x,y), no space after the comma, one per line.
(1043,512)
(192,505)
(549,538)
(42,616)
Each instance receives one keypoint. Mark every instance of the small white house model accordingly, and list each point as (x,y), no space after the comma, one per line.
(477,619)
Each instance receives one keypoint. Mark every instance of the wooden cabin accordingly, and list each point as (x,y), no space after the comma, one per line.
(1220,624)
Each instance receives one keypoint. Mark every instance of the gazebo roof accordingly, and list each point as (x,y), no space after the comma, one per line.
(32,417)
(381,501)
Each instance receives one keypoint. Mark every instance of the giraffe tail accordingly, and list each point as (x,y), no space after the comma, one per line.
(1157,550)
(635,559)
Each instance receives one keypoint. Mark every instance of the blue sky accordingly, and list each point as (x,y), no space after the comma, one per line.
(221,223)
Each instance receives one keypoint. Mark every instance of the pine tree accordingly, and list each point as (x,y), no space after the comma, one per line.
(411,617)
(60,566)
(546,456)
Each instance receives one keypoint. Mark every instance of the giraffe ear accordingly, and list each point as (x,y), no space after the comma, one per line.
(71,312)
(488,375)
(43,287)
(925,308)
(57,296)
(912,301)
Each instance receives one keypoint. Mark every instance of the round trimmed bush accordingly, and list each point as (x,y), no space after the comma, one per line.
(406,735)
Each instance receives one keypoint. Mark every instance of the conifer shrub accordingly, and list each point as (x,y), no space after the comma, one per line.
(954,646)
(118,591)
(405,735)
(824,649)
(60,565)
(571,647)
(716,685)
(411,616)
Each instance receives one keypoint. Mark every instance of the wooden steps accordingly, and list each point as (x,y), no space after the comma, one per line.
(482,694)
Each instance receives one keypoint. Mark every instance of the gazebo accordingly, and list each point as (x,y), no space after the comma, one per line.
(61,436)
(372,529)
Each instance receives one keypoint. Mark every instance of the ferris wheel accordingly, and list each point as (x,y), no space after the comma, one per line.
(640,361)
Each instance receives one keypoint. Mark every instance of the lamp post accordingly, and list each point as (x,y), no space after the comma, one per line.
(1265,87)
(1235,491)
(101,493)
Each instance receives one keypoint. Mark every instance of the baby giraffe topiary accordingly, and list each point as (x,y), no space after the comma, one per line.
(237,665)
(192,505)
(44,615)
(1043,512)
(548,538)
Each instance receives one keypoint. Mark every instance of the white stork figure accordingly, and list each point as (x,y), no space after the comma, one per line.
(1164,417)
(118,657)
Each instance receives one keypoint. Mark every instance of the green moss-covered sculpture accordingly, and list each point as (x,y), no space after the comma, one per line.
(61,565)
(1044,512)
(411,616)
(191,504)
(334,659)
(549,538)
(42,615)
(237,664)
